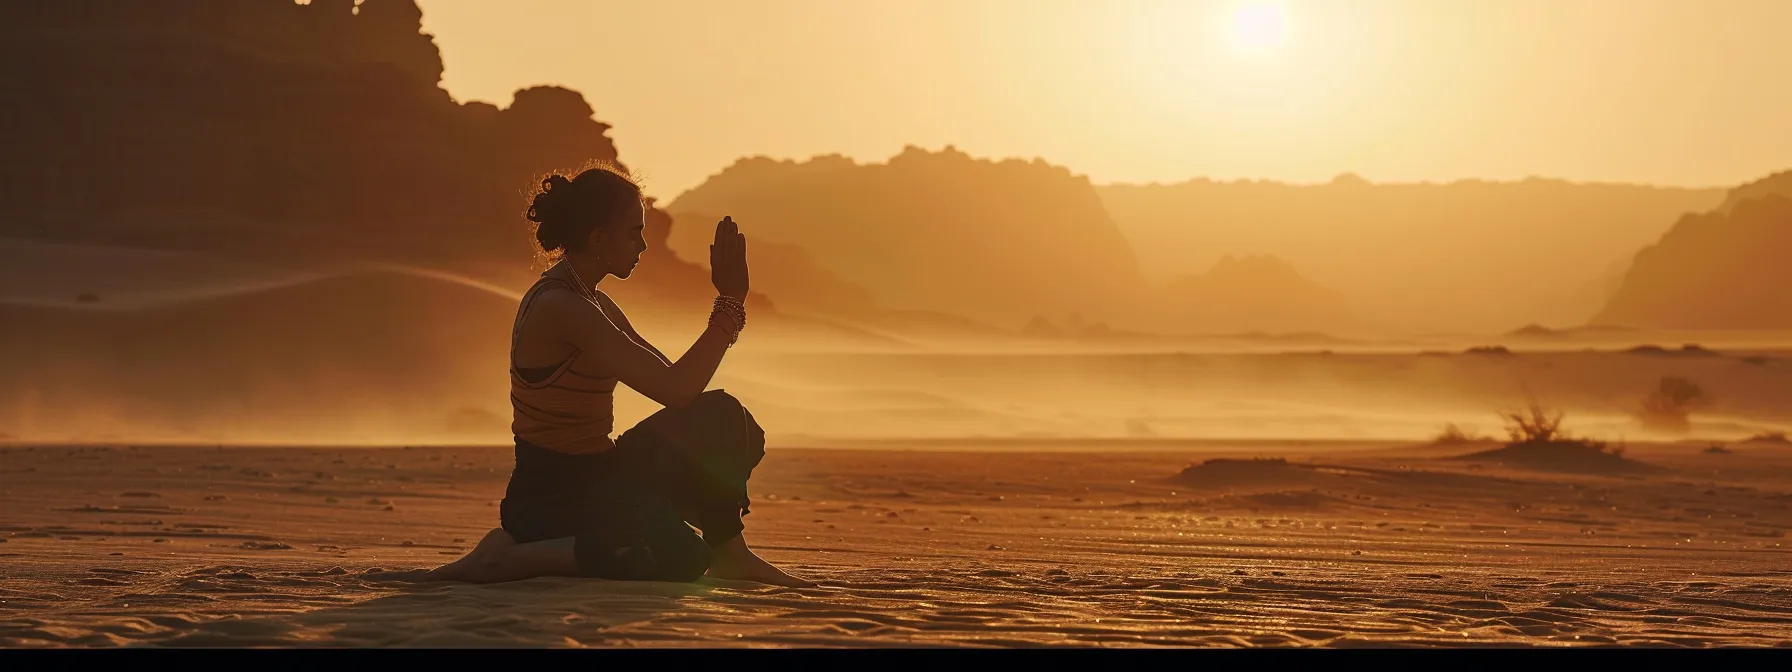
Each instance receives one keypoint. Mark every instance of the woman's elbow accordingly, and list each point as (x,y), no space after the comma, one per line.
(677,403)
(718,399)
(677,400)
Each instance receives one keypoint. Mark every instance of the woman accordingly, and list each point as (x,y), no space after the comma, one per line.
(578,502)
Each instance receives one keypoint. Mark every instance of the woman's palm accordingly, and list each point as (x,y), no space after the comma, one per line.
(728,260)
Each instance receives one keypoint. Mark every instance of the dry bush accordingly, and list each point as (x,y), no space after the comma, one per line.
(1768,437)
(1669,407)
(1540,425)
(1535,424)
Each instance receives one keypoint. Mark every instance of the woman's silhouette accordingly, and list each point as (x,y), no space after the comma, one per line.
(578,502)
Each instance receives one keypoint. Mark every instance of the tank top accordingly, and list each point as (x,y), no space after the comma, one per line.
(565,411)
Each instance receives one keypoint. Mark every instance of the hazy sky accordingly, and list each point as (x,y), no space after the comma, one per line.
(1685,92)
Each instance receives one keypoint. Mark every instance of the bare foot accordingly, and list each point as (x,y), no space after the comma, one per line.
(733,561)
(479,565)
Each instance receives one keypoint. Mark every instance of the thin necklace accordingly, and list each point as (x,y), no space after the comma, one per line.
(585,290)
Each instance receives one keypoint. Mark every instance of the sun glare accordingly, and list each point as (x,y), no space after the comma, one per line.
(1258,27)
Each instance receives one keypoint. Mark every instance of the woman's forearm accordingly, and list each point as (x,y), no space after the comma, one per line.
(697,367)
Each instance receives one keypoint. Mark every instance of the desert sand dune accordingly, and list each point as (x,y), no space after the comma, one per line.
(1335,545)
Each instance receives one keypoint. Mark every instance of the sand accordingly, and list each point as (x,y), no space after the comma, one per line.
(923,544)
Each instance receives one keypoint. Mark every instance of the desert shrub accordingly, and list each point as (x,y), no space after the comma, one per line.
(1768,437)
(1534,424)
(1669,407)
(1537,425)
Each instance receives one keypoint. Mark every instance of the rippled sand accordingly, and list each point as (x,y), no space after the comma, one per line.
(997,544)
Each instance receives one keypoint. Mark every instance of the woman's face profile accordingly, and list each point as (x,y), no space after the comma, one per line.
(620,242)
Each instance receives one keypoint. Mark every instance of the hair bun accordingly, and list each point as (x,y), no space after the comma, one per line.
(544,210)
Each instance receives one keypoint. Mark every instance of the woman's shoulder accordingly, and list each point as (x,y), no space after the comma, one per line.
(554,297)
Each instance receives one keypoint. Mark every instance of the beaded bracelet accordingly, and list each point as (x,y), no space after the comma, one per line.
(733,312)
(733,307)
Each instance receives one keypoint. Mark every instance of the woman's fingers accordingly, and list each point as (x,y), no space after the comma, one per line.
(724,228)
(728,255)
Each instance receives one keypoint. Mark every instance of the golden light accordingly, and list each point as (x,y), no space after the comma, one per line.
(1258,27)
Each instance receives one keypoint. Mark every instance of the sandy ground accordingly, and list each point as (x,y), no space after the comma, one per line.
(1005,544)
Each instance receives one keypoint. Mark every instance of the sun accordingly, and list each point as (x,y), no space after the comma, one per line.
(1258,27)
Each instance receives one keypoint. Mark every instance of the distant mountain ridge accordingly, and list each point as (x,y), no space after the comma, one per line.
(1255,293)
(1777,184)
(1724,269)
(1469,255)
(932,230)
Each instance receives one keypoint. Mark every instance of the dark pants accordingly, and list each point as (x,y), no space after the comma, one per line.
(627,509)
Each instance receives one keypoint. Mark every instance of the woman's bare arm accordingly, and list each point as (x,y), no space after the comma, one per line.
(672,384)
(621,320)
